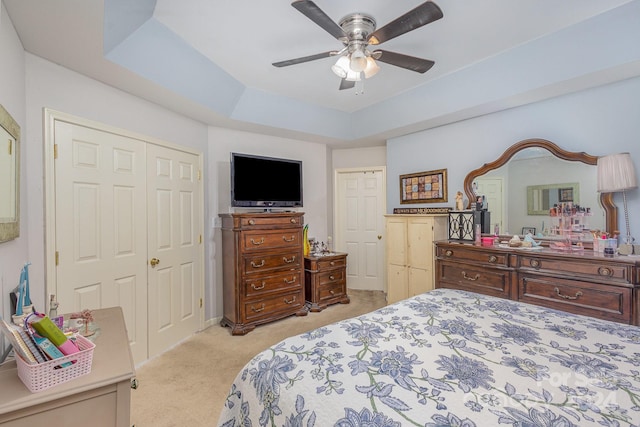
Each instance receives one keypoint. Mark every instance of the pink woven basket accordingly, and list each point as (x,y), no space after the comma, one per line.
(41,376)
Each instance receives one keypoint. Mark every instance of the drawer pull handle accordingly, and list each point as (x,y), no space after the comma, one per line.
(257,310)
(252,222)
(332,277)
(605,271)
(291,301)
(254,265)
(473,279)
(290,239)
(535,263)
(332,263)
(257,288)
(493,259)
(448,252)
(257,243)
(332,292)
(578,295)
(289,261)
(288,282)
(292,220)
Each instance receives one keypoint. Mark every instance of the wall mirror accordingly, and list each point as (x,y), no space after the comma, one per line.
(9,177)
(541,198)
(540,164)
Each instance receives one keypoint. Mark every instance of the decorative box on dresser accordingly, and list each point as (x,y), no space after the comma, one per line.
(263,263)
(100,398)
(584,282)
(325,280)
(410,253)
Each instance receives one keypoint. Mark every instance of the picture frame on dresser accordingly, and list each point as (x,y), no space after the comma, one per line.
(424,187)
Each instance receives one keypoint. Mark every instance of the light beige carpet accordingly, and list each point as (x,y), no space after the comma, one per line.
(187,385)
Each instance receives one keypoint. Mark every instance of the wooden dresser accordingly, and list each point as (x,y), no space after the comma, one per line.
(585,282)
(100,398)
(262,268)
(325,280)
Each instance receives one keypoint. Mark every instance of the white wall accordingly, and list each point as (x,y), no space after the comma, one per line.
(13,254)
(598,121)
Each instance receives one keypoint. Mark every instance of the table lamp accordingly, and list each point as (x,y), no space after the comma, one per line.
(617,174)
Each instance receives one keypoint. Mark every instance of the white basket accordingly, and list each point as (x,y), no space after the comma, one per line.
(41,376)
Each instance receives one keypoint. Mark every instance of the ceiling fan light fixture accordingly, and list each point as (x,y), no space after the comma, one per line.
(341,67)
(358,61)
(371,69)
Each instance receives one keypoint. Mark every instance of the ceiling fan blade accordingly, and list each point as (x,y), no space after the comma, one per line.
(313,12)
(412,63)
(346,84)
(422,15)
(304,59)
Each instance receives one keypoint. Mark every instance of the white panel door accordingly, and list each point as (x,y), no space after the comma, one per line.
(174,218)
(492,189)
(360,212)
(101,235)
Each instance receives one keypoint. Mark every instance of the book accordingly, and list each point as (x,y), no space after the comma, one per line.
(47,329)
(35,350)
(50,349)
(18,343)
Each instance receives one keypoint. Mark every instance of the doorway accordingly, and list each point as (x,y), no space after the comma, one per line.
(360,203)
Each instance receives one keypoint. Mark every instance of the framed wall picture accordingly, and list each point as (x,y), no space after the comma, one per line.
(565,194)
(526,230)
(424,187)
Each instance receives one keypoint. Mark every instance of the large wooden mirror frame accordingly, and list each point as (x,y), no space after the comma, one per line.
(606,199)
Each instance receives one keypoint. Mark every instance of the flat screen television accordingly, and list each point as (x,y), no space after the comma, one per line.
(267,182)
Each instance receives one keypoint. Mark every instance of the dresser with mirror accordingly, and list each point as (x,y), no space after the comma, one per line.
(579,280)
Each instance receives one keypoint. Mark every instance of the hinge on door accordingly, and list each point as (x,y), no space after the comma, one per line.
(57,257)
(200,302)
(201,239)
(10,146)
(55,151)
(199,175)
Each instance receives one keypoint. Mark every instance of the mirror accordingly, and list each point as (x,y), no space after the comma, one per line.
(538,164)
(541,198)
(9,177)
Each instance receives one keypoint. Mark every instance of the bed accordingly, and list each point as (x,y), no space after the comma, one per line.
(446,358)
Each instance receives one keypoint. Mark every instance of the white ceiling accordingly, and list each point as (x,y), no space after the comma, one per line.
(234,43)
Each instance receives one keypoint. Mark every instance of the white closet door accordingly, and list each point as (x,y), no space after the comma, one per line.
(174,218)
(101,226)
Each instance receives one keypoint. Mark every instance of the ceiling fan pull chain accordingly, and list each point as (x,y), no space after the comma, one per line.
(360,84)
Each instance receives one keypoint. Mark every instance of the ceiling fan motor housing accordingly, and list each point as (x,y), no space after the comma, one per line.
(358,27)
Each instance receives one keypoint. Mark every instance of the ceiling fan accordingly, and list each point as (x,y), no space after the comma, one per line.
(357,32)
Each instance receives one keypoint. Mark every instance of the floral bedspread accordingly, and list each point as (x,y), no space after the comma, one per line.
(446,358)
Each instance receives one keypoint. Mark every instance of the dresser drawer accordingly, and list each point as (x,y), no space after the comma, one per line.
(474,278)
(332,276)
(256,287)
(488,257)
(592,299)
(326,264)
(331,290)
(267,262)
(260,240)
(264,308)
(591,270)
(248,222)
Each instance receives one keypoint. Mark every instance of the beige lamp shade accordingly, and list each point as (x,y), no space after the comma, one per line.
(616,173)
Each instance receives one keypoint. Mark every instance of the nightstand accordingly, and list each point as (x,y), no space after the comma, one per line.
(325,280)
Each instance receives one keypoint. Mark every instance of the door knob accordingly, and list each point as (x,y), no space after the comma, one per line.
(379,237)
(154,262)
